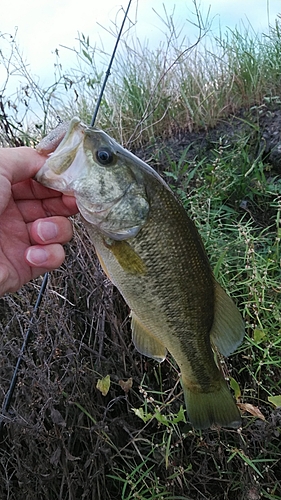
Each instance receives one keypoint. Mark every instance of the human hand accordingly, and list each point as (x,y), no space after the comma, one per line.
(33,220)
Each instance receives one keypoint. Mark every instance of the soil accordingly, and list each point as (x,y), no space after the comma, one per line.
(62,439)
(261,125)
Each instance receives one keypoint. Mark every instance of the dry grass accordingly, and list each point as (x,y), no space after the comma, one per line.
(63,439)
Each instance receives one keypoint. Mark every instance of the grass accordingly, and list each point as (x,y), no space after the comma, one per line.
(64,438)
(150,93)
(243,247)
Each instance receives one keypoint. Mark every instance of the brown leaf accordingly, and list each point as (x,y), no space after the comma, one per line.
(126,384)
(55,457)
(253,410)
(70,457)
(57,417)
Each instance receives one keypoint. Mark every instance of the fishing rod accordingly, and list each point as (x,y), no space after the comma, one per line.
(107,73)
(9,395)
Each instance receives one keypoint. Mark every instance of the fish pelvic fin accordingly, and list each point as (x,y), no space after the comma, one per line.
(228,328)
(145,342)
(207,409)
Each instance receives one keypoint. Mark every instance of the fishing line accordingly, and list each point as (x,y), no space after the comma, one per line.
(9,395)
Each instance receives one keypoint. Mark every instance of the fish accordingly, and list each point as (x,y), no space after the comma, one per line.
(152,252)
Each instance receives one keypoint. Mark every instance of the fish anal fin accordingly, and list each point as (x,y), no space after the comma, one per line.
(215,408)
(126,256)
(228,328)
(145,342)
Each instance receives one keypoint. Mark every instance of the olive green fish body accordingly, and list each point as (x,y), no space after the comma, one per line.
(171,293)
(152,252)
(163,293)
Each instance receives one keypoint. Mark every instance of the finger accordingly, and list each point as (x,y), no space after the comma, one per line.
(4,279)
(50,230)
(70,204)
(18,164)
(29,189)
(44,257)
(32,210)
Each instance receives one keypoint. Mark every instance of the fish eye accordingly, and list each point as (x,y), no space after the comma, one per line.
(104,156)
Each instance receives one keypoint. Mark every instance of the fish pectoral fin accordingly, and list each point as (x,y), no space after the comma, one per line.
(128,259)
(214,408)
(228,327)
(145,342)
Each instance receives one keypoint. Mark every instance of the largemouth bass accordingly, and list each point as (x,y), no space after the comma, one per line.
(152,252)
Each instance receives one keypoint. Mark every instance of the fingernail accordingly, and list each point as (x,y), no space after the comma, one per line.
(47,230)
(36,256)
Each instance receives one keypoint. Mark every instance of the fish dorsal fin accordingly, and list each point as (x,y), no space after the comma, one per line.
(228,327)
(145,342)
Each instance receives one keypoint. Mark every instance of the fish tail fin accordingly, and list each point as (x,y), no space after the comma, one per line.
(217,408)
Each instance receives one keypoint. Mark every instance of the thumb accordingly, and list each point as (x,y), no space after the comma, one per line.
(19,164)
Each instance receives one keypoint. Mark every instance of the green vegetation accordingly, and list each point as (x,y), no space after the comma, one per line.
(64,438)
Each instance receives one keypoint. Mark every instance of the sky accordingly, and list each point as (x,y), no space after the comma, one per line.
(49,25)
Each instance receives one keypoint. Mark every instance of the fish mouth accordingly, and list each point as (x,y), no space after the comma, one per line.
(60,169)
(52,181)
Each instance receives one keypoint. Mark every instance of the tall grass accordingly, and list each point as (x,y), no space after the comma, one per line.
(154,92)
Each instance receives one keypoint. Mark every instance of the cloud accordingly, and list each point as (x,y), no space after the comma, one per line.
(44,26)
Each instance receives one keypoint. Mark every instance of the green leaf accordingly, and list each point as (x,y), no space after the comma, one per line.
(275,400)
(174,419)
(161,418)
(103,385)
(235,387)
(259,335)
(144,416)
(87,56)
(180,417)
